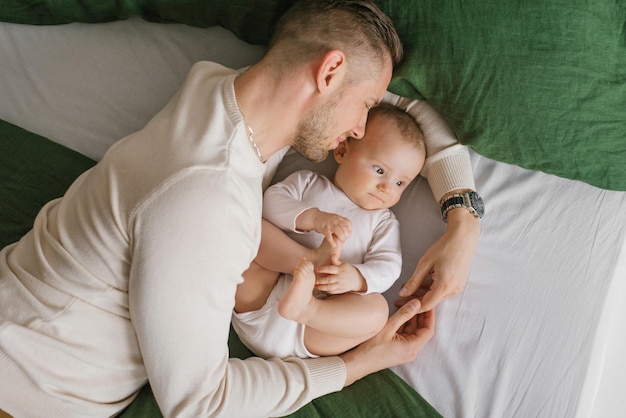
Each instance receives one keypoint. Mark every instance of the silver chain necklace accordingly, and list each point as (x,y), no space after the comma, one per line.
(250,138)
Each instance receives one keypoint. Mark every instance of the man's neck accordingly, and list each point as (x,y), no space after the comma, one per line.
(271,107)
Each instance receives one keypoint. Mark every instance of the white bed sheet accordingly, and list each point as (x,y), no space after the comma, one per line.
(538,330)
(543,311)
(86,86)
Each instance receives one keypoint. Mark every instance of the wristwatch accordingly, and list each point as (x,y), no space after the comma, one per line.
(471,201)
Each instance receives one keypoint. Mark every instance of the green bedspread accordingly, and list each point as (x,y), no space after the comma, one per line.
(34,170)
(536,83)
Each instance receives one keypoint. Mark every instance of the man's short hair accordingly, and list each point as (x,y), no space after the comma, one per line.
(359,28)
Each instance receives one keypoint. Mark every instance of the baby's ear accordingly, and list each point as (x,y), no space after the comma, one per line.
(340,151)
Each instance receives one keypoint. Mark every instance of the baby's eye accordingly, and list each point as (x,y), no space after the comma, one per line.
(379,170)
(399,183)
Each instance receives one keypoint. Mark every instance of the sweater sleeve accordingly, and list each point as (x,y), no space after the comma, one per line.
(448,165)
(283,203)
(382,263)
(181,295)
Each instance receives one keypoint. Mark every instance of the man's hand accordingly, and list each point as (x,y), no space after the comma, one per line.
(397,343)
(447,262)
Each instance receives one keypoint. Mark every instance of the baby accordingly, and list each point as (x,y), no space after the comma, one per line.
(332,308)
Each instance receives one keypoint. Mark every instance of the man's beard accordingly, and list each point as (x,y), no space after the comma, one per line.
(313,134)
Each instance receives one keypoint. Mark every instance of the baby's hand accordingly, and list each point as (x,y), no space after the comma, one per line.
(332,226)
(325,254)
(340,278)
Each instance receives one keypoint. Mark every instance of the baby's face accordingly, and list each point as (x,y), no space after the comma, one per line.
(374,171)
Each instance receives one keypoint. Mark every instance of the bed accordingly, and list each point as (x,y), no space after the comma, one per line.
(536,90)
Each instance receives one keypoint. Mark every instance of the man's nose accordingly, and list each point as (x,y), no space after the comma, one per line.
(359,131)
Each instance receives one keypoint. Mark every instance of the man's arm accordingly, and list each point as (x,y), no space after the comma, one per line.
(447,261)
(448,171)
(181,293)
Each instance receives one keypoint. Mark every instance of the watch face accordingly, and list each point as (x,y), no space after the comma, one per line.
(477,203)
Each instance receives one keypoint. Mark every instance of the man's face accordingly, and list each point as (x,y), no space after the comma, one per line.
(342,115)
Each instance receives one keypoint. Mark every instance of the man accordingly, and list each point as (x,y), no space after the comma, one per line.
(131,276)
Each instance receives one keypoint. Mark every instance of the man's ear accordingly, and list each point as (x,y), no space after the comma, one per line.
(340,151)
(331,71)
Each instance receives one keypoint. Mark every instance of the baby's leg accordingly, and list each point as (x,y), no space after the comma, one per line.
(334,324)
(344,322)
(257,285)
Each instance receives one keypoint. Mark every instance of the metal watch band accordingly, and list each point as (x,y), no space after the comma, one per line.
(470,201)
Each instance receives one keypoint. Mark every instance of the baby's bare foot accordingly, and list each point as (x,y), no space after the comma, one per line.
(295,305)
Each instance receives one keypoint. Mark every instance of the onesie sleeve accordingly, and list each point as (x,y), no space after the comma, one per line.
(283,203)
(448,165)
(382,263)
(181,295)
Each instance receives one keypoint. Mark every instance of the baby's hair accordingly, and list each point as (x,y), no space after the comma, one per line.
(406,124)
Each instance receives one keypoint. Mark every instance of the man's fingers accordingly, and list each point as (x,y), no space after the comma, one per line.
(430,299)
(411,326)
(438,292)
(410,287)
(404,314)
(426,325)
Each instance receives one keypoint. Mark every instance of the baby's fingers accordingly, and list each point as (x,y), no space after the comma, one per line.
(341,233)
(330,237)
(327,270)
